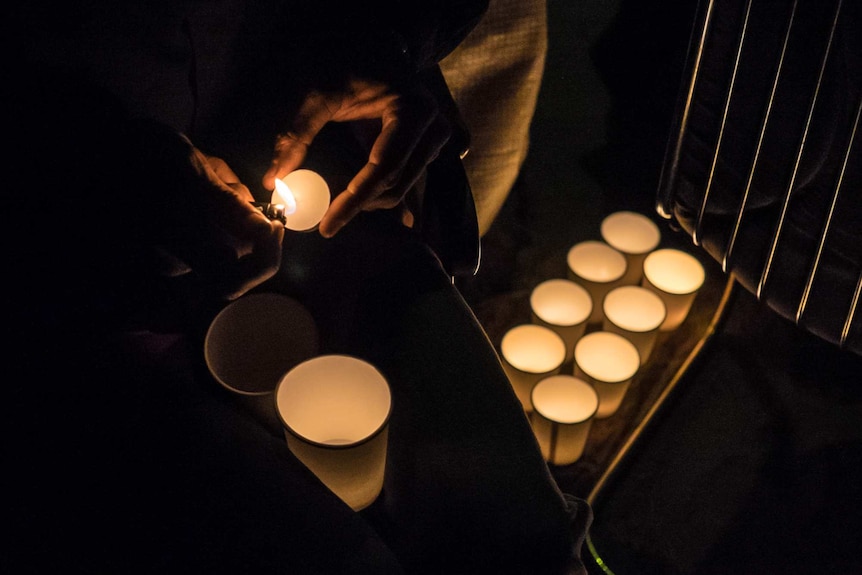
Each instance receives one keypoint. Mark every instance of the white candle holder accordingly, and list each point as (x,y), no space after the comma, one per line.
(608,362)
(676,277)
(305,196)
(335,412)
(564,407)
(252,342)
(599,268)
(563,306)
(636,313)
(531,352)
(634,235)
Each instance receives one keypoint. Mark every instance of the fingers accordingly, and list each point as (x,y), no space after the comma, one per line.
(412,131)
(230,243)
(412,134)
(426,151)
(258,264)
(224,173)
(291,147)
(254,242)
(234,251)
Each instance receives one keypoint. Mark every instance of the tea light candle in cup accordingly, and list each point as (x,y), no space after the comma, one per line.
(676,277)
(636,313)
(635,236)
(563,306)
(599,268)
(531,352)
(305,196)
(335,411)
(564,407)
(608,362)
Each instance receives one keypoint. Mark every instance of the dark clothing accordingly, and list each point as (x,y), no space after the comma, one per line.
(124,455)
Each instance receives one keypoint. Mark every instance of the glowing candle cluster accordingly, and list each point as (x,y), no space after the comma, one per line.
(619,294)
(531,352)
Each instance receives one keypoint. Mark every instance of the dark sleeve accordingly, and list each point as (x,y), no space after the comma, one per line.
(383,39)
(94,189)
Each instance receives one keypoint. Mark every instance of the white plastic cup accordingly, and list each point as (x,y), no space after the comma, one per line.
(636,313)
(335,412)
(564,407)
(531,352)
(563,306)
(635,236)
(676,276)
(252,342)
(608,362)
(599,268)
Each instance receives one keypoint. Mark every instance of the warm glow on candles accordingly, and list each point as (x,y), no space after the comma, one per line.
(633,234)
(532,348)
(564,407)
(561,302)
(565,399)
(564,306)
(674,271)
(634,308)
(599,268)
(676,277)
(607,356)
(305,195)
(608,361)
(630,232)
(596,261)
(531,352)
(335,411)
(636,313)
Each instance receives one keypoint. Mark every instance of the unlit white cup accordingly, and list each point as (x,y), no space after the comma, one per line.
(599,268)
(563,411)
(676,276)
(635,236)
(563,306)
(335,411)
(608,362)
(252,342)
(636,313)
(531,352)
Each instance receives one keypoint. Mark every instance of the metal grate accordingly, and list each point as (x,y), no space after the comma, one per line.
(764,169)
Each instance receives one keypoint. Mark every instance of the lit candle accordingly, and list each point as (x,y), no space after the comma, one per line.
(563,306)
(608,362)
(599,268)
(564,407)
(335,411)
(531,352)
(252,342)
(635,313)
(305,197)
(676,277)
(634,235)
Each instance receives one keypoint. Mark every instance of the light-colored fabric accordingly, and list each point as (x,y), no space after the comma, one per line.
(494,76)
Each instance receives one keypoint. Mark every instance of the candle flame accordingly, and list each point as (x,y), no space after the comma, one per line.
(283,195)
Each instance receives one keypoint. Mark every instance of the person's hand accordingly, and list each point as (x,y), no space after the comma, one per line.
(255,240)
(202,220)
(409,132)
